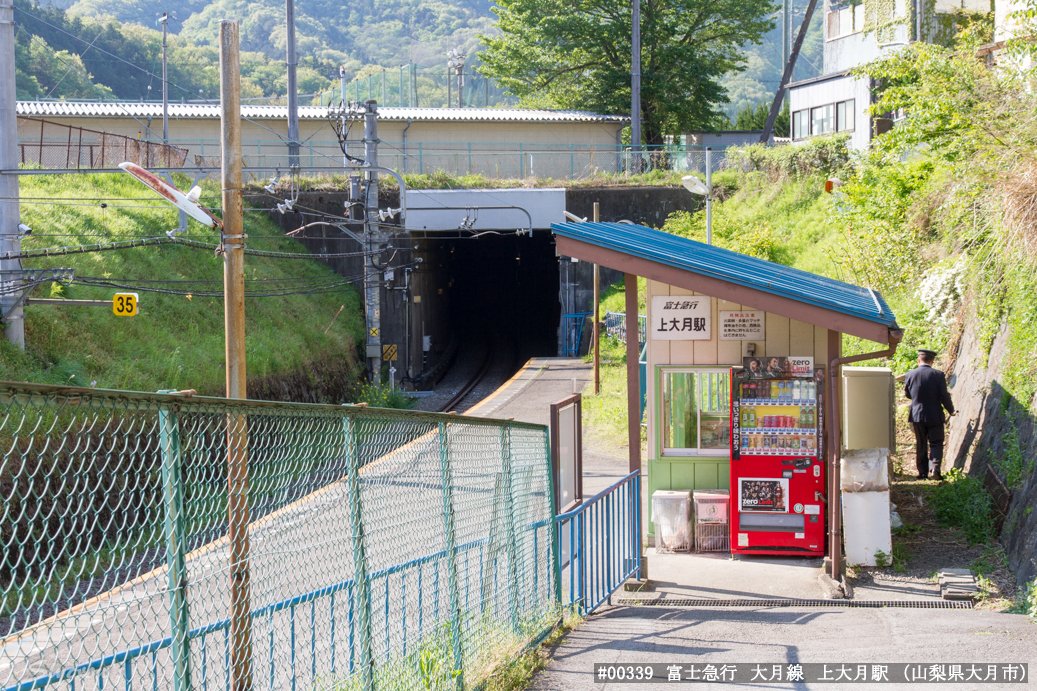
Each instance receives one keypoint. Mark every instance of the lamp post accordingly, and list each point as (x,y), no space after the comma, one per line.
(696,186)
(456,62)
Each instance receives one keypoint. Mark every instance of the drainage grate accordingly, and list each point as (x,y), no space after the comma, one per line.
(782,602)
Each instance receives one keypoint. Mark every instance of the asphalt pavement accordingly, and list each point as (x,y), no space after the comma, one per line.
(769,636)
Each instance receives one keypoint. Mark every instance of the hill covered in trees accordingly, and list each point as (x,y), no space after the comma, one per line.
(89,49)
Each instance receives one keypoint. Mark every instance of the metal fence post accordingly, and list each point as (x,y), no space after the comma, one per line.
(451,541)
(361,584)
(173,510)
(509,507)
(555,560)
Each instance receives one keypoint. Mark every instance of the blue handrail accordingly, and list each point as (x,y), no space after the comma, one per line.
(603,539)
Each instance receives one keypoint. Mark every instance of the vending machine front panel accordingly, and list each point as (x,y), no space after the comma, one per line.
(777,457)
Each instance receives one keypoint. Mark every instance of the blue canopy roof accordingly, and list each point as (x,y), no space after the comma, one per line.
(732,267)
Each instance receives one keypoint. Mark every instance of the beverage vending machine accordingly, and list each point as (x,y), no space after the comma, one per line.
(777,457)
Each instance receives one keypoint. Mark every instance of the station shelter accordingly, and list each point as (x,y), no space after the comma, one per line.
(709,309)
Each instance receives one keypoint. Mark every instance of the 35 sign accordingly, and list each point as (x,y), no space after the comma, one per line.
(125,304)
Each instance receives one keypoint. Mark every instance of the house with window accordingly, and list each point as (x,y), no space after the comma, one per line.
(856,33)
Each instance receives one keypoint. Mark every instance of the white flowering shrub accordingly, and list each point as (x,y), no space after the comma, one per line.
(941,291)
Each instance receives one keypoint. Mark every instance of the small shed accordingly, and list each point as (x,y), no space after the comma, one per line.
(799,313)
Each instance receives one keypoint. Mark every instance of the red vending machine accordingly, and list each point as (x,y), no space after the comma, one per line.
(777,457)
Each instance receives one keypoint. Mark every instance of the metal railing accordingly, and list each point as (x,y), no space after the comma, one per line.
(386,549)
(492,160)
(53,145)
(600,544)
(572,325)
(616,326)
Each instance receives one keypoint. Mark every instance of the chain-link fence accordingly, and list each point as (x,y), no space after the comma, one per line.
(491,160)
(335,548)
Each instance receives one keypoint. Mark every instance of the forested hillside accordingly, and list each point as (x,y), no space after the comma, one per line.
(112,49)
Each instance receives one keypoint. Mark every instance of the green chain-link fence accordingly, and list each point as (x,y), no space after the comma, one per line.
(378,549)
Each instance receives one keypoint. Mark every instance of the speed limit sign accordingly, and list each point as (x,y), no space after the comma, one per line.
(125,305)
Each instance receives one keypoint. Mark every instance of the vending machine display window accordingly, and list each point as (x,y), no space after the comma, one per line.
(696,412)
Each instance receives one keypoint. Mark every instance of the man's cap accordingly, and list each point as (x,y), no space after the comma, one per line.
(926,351)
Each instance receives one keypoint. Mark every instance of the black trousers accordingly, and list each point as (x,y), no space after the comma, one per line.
(928,447)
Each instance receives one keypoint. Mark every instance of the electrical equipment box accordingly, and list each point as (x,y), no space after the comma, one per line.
(868,408)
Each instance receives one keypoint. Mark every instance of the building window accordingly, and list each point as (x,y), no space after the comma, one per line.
(844,116)
(696,417)
(800,125)
(822,120)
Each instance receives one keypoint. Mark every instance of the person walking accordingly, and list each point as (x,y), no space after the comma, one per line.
(927,389)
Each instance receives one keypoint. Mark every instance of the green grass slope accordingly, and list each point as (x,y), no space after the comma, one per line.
(176,341)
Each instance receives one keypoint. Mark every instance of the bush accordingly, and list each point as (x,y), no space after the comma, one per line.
(963,502)
(822,156)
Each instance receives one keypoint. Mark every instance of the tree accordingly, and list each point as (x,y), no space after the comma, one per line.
(576,54)
(751,119)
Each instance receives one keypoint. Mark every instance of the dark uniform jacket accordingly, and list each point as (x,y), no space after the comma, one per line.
(927,389)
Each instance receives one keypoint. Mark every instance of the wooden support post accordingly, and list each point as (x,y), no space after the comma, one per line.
(597,315)
(633,374)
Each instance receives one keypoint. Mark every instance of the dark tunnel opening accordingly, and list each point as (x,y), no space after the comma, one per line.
(503,290)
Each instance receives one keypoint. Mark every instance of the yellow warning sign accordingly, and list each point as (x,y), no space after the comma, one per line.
(389,352)
(374,332)
(125,304)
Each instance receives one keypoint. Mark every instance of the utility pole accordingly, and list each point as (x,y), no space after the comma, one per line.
(597,316)
(165,82)
(790,67)
(342,86)
(635,86)
(10,235)
(293,87)
(786,31)
(372,274)
(232,242)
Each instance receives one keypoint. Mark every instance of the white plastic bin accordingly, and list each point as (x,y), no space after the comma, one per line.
(865,470)
(671,514)
(866,527)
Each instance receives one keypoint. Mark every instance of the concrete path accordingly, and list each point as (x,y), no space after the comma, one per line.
(749,636)
(528,397)
(719,577)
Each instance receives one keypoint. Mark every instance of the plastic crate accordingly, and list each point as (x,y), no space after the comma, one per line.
(712,515)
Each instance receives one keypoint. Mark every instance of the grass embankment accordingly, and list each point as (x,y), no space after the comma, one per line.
(442,180)
(176,341)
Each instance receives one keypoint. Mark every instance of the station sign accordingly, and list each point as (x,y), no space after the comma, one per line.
(681,318)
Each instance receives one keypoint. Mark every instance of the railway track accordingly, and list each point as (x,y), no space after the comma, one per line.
(476,379)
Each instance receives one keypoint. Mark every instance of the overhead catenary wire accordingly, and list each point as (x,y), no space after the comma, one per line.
(188,242)
(330,285)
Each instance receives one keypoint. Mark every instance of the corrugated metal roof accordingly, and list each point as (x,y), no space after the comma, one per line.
(732,267)
(96,109)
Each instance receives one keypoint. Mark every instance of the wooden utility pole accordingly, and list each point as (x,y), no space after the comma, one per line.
(10,235)
(233,244)
(597,317)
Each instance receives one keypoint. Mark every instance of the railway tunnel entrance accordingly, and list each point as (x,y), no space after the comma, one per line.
(492,301)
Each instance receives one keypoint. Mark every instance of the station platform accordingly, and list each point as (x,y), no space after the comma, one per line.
(528,396)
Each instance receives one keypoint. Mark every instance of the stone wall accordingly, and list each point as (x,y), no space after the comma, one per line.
(988,415)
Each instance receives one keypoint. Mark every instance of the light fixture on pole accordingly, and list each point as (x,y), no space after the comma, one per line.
(696,186)
(703,189)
